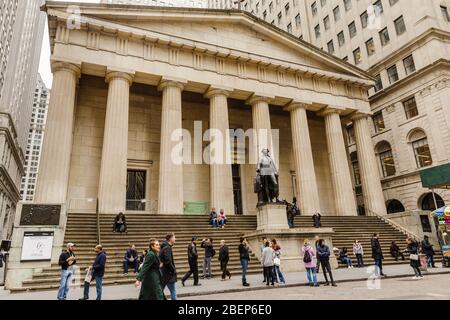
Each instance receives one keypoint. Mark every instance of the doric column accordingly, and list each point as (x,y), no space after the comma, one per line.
(344,198)
(113,171)
(56,152)
(170,197)
(308,195)
(262,127)
(370,177)
(221,180)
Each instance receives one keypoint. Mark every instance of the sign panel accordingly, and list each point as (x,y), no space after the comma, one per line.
(37,246)
(40,214)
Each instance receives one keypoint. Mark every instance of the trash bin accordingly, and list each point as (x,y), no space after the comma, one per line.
(423,262)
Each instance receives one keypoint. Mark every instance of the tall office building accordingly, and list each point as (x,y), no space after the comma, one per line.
(21,33)
(404,45)
(34,143)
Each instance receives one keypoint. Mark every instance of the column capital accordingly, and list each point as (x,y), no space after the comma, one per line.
(214,91)
(164,83)
(114,74)
(67,66)
(330,110)
(255,98)
(359,115)
(296,105)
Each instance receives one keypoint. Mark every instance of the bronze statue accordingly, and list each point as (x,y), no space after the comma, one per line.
(266,181)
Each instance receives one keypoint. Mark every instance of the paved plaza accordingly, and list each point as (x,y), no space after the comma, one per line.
(352,285)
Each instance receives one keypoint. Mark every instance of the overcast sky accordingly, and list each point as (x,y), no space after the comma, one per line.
(44,65)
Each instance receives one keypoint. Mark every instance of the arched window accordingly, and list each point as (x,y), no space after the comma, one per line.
(394,206)
(384,151)
(355,167)
(419,142)
(427,203)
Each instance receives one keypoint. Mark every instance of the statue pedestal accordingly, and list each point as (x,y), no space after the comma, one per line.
(272,216)
(272,224)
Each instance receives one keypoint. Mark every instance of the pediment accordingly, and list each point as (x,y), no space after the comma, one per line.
(234,32)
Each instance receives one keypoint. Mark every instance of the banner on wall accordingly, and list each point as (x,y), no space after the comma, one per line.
(37,246)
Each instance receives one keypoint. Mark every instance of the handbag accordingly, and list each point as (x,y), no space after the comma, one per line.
(277,261)
(414,257)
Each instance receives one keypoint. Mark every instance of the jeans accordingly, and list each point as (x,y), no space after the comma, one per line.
(135,263)
(98,287)
(66,277)
(326,268)
(269,275)
(347,261)
(397,254)
(360,260)
(221,223)
(223,267)
(207,267)
(430,261)
(278,275)
(317,266)
(193,269)
(214,223)
(311,272)
(379,264)
(244,264)
(291,223)
(172,289)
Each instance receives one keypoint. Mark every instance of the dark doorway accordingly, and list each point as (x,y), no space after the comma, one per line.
(237,192)
(136,190)
(395,206)
(428,202)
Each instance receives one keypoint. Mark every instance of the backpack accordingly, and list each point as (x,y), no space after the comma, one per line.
(307,257)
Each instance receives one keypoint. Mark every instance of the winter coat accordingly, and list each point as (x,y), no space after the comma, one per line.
(208,249)
(192,252)
(224,255)
(131,255)
(316,220)
(358,249)
(427,248)
(168,270)
(377,253)
(244,252)
(323,253)
(150,276)
(310,250)
(413,248)
(267,257)
(99,265)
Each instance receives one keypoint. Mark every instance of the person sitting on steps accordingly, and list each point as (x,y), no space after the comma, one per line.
(120,223)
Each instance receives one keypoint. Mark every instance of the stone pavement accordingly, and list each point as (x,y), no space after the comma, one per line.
(214,286)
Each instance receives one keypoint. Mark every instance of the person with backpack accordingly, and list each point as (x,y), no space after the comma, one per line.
(310,265)
(323,254)
(209,254)
(277,274)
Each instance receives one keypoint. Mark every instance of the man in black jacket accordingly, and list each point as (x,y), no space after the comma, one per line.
(224,257)
(98,271)
(131,257)
(377,254)
(168,269)
(66,261)
(193,263)
(427,249)
(209,253)
(244,256)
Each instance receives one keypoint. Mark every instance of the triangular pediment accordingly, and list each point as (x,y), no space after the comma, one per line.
(236,32)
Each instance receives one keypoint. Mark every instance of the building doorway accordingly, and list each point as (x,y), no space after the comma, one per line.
(237,190)
(136,190)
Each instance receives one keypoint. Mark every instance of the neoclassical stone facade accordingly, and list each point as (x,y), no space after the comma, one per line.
(131,76)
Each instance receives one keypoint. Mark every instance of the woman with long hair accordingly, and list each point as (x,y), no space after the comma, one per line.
(150,275)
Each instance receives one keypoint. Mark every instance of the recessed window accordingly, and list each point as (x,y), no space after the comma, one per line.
(297,20)
(337,13)
(392,74)
(378,7)
(421,149)
(410,107)
(326,22)
(378,83)
(351,134)
(352,29)
(392,2)
(400,27)
(289,28)
(410,67)
(286,8)
(357,56)
(370,46)
(384,152)
(384,36)
(330,46)
(317,31)
(445,13)
(364,19)
(378,122)
(314,8)
(341,38)
(347,5)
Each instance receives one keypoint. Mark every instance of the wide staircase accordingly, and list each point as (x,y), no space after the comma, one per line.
(82,230)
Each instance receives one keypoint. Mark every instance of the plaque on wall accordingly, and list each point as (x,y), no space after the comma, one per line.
(40,214)
(37,246)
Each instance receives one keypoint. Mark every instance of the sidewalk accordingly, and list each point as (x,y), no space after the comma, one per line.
(120,292)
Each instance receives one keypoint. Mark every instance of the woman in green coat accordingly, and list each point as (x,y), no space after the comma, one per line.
(150,276)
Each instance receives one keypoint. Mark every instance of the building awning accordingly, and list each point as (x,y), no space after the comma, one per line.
(436,177)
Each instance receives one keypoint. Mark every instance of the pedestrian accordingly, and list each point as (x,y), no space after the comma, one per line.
(224,257)
(168,269)
(377,254)
(395,251)
(414,261)
(131,257)
(343,256)
(289,214)
(98,271)
(193,262)
(222,219)
(316,220)
(277,274)
(427,249)
(310,265)
(2,258)
(213,218)
(66,260)
(316,246)
(142,257)
(358,251)
(209,253)
(120,223)
(267,262)
(323,254)
(264,240)
(244,257)
(149,278)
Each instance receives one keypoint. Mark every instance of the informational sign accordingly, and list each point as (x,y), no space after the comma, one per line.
(37,246)
(195,207)
(40,214)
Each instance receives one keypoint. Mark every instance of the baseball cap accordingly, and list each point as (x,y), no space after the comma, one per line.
(70,244)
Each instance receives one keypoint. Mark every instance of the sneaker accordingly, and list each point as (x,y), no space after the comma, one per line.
(316,285)
(415,278)
(125,274)
(198,284)
(246,284)
(420,277)
(334,285)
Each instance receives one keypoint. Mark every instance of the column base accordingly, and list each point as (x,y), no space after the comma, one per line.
(271,217)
